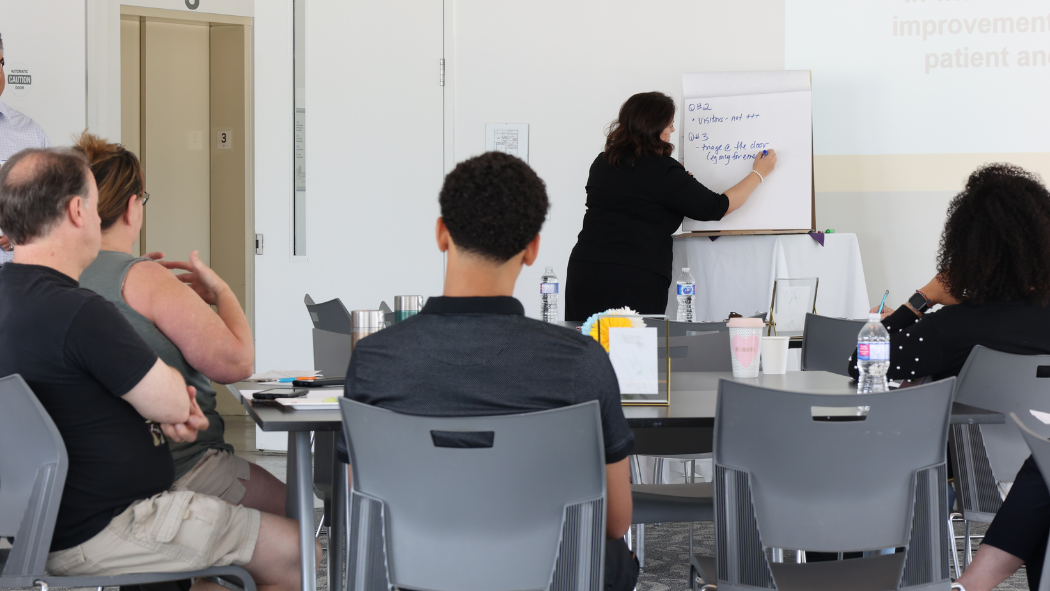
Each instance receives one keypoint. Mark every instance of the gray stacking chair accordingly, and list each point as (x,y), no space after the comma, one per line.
(1040,448)
(785,477)
(682,329)
(708,351)
(33,467)
(985,455)
(690,501)
(494,503)
(829,343)
(570,324)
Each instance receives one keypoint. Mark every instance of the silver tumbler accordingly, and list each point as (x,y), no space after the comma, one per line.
(407,305)
(364,323)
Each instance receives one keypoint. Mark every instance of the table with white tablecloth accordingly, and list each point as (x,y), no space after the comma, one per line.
(736,273)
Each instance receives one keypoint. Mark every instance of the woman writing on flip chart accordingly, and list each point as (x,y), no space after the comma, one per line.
(637,196)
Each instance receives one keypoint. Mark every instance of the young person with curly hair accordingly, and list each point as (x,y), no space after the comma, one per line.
(993,281)
(637,196)
(472,351)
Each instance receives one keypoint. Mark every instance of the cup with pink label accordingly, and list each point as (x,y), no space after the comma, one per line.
(745,341)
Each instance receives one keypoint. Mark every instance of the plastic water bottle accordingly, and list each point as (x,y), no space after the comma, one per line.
(549,293)
(873,356)
(686,297)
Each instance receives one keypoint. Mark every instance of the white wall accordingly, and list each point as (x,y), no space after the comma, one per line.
(566,67)
(47,36)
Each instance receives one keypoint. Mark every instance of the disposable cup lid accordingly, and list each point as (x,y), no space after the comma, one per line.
(745,323)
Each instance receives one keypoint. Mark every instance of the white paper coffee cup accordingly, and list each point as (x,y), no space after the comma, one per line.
(774,354)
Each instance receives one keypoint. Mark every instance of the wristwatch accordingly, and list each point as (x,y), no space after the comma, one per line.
(919,302)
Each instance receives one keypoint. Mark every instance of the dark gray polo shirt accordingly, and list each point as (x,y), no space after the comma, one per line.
(482,356)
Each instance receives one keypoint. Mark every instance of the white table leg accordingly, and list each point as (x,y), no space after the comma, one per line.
(300,504)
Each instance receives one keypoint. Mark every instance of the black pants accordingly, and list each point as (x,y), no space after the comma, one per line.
(1022,524)
(621,567)
(596,287)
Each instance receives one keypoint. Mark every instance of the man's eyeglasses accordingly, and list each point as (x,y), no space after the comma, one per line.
(145,198)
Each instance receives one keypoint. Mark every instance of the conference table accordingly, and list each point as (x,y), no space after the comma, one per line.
(685,426)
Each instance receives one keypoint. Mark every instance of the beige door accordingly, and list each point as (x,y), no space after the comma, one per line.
(176,152)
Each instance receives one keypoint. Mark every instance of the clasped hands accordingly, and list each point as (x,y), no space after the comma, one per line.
(187,431)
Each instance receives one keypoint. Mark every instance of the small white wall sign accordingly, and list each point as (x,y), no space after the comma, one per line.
(223,139)
(509,138)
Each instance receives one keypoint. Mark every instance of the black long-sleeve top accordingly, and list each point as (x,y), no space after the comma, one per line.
(632,211)
(938,344)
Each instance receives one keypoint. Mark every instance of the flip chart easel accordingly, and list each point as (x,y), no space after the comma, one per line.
(728,118)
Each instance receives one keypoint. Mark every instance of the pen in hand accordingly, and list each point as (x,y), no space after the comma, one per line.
(883,302)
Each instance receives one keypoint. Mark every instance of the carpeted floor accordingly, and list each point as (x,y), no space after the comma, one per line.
(667,556)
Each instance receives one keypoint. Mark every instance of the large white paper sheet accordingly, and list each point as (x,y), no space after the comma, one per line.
(722,136)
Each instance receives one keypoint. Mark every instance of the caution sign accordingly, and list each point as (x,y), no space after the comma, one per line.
(19,79)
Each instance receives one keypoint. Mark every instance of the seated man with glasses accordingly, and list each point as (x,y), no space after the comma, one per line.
(472,351)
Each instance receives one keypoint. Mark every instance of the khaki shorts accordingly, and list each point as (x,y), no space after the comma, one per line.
(218,474)
(170,532)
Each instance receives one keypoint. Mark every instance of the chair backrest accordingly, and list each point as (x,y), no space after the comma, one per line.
(330,316)
(681,329)
(700,352)
(1005,383)
(828,343)
(33,467)
(573,324)
(784,478)
(1040,448)
(494,502)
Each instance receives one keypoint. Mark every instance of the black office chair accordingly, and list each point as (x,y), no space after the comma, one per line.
(828,343)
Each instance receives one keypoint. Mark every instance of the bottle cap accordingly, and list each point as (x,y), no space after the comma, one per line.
(874,317)
(685,269)
(549,270)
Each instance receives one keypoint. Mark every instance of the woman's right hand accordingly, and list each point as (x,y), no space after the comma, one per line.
(200,277)
(765,164)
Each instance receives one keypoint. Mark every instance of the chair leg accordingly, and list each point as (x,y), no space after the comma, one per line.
(658,471)
(691,476)
(800,556)
(953,546)
(640,551)
(967,545)
(778,554)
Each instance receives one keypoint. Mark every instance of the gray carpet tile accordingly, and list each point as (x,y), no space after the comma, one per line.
(667,556)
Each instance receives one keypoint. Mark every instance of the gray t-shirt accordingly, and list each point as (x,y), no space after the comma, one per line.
(481,356)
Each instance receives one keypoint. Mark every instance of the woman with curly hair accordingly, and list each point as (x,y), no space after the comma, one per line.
(637,196)
(993,281)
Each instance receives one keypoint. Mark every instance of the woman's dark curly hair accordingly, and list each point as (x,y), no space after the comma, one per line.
(493,205)
(637,130)
(996,242)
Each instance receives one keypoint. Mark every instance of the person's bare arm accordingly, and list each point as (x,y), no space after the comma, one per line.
(739,192)
(160,395)
(218,345)
(618,499)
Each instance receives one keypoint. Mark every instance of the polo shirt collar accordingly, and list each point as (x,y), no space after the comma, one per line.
(473,305)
